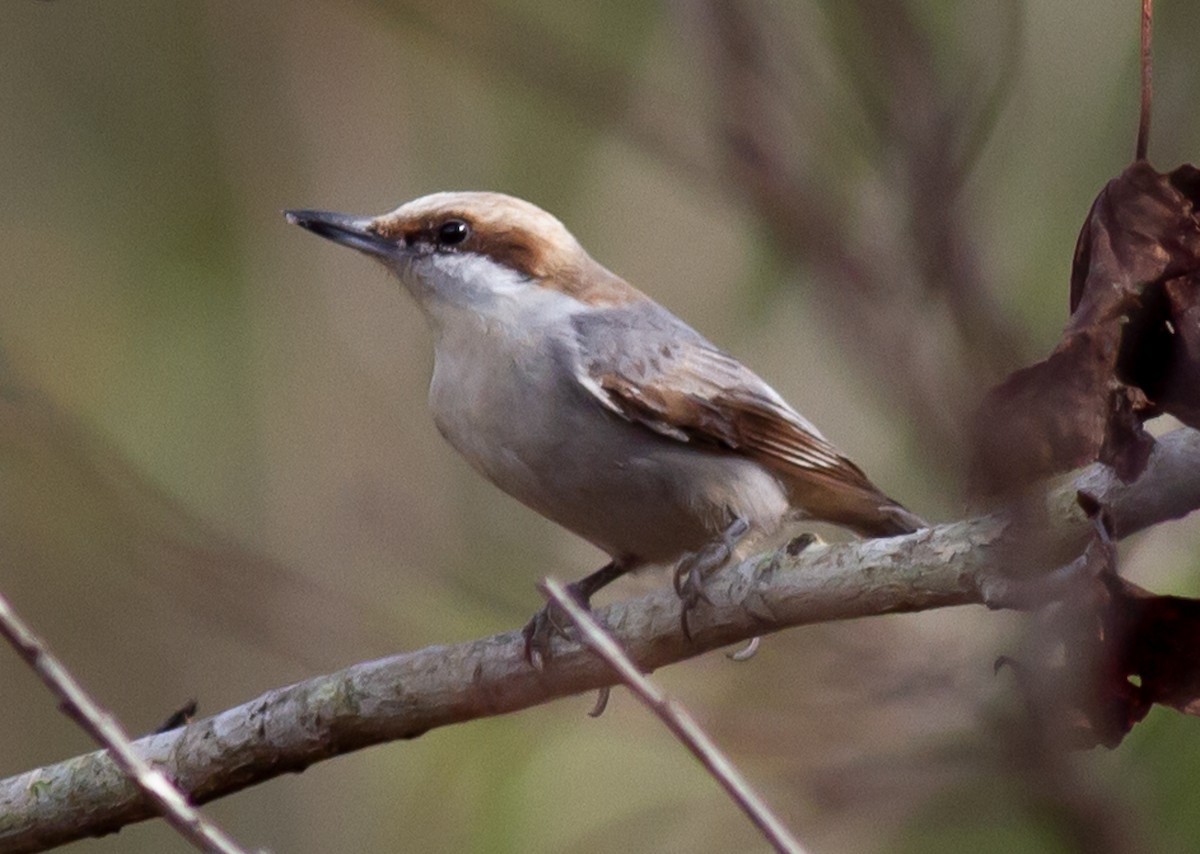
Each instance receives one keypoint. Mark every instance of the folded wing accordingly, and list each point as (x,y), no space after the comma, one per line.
(691,391)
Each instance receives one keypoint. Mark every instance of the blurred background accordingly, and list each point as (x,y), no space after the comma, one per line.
(218,476)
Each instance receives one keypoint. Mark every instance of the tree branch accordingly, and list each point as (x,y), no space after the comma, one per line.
(406,695)
(163,797)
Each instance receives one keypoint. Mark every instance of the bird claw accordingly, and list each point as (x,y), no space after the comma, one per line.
(601,703)
(747,652)
(540,631)
(689,587)
(691,572)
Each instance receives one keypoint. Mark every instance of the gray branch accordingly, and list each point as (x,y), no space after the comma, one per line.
(165,798)
(404,696)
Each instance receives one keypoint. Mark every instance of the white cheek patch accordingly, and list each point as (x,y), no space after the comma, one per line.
(467,278)
(453,287)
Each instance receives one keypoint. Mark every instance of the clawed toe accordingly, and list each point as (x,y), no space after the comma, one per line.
(689,587)
(693,570)
(538,633)
(550,620)
(747,652)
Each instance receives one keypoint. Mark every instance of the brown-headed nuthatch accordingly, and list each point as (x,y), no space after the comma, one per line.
(583,398)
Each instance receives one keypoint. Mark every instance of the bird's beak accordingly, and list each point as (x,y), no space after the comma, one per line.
(355,232)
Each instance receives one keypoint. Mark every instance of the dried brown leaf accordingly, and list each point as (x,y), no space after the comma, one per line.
(1131,348)
(1123,649)
(1160,637)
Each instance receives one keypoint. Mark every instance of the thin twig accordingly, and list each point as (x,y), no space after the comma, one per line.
(1143,137)
(677,720)
(101,726)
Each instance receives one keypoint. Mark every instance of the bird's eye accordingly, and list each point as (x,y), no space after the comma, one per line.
(452,232)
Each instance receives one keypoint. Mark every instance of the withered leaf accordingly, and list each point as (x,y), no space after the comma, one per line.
(1123,649)
(1160,636)
(1142,651)
(1131,348)
(1181,392)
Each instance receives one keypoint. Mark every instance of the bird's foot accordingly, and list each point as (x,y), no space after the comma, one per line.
(549,622)
(694,569)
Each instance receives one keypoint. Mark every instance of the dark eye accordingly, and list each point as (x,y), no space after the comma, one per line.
(452,232)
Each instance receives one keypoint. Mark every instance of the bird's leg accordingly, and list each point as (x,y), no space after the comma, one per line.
(694,568)
(546,622)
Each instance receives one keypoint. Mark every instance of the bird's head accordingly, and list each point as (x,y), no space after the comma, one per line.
(472,249)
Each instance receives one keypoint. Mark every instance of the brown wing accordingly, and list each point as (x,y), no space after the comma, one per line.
(685,388)
(691,391)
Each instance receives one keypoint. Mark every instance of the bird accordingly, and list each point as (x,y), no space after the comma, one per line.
(587,401)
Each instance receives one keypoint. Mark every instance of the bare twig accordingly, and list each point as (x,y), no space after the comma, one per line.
(1143,136)
(290,728)
(154,785)
(677,720)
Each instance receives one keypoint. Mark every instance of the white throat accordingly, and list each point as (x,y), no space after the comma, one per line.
(454,289)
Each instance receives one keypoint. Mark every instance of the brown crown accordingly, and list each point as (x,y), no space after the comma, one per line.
(516,234)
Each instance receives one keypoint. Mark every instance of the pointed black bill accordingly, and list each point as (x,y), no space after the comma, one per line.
(352,231)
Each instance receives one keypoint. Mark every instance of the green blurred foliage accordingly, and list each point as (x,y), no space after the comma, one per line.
(217,474)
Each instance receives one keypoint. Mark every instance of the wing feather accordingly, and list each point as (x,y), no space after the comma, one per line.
(690,391)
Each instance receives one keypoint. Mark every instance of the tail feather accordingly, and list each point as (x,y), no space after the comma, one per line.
(861,507)
(890,520)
